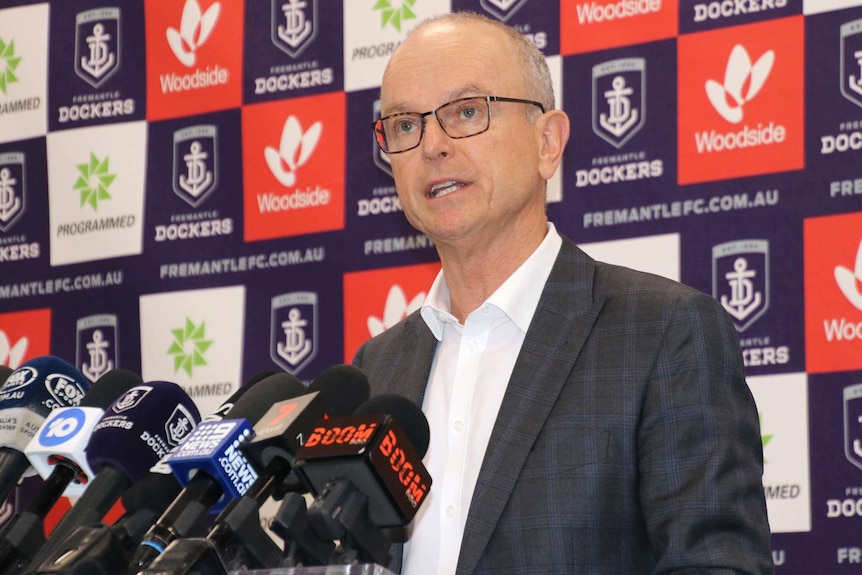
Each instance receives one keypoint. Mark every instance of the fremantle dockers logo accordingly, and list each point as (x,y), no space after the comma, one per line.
(12,189)
(97,45)
(851,61)
(381,158)
(195,171)
(97,349)
(293,330)
(619,99)
(294,25)
(131,398)
(853,424)
(179,425)
(740,280)
(502,9)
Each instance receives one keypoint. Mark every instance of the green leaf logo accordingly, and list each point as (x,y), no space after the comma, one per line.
(8,63)
(93,181)
(395,16)
(764,439)
(189,346)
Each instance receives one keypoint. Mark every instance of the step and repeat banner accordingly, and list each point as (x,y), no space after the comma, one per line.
(190,189)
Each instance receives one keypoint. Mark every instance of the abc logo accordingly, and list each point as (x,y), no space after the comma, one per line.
(62,427)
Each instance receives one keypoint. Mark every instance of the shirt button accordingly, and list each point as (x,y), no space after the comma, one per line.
(450,511)
(472,346)
(459,425)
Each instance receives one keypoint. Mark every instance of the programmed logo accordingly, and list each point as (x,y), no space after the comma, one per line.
(853,424)
(294,25)
(94,179)
(13,189)
(619,99)
(502,9)
(851,61)
(293,330)
(395,13)
(195,163)
(740,280)
(97,345)
(189,346)
(8,64)
(97,45)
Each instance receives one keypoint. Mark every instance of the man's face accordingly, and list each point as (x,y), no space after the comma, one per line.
(473,189)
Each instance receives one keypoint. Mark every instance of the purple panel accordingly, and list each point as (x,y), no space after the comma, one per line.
(292,49)
(24,242)
(697,15)
(96,64)
(538,20)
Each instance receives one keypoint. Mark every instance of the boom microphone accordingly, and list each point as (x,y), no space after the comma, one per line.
(140,427)
(29,394)
(58,454)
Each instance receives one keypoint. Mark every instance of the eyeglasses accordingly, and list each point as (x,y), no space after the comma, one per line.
(459,118)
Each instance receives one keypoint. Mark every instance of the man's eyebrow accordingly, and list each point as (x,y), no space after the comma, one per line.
(462,92)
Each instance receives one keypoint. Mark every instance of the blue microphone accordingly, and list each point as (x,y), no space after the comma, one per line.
(29,394)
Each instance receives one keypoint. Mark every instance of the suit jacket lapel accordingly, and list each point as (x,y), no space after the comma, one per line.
(564,317)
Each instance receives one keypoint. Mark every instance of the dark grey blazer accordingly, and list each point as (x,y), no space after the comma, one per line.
(627,442)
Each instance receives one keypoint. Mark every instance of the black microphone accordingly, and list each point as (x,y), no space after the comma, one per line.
(368,475)
(140,427)
(186,514)
(5,372)
(105,550)
(57,452)
(237,536)
(28,395)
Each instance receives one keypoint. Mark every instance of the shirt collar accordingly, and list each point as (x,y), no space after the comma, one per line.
(517,297)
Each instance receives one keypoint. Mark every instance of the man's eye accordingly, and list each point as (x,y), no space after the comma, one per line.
(405,126)
(468,112)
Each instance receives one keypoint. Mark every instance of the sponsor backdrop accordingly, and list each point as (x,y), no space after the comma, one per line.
(190,189)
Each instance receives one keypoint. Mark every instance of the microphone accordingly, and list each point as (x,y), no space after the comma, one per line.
(140,427)
(29,394)
(220,465)
(102,549)
(5,371)
(58,454)
(367,472)
(237,532)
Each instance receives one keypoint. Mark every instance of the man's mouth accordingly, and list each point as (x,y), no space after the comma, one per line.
(443,189)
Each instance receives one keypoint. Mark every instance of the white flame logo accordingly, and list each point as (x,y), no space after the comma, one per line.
(293,151)
(848,280)
(396,309)
(12,355)
(195,28)
(728,98)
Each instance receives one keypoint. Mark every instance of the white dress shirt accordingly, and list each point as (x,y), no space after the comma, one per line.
(469,376)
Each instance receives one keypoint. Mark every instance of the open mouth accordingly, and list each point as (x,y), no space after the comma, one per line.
(444,188)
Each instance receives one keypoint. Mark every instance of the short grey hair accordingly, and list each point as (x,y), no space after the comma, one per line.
(534,67)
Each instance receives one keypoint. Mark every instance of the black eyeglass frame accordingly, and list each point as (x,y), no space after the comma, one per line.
(422,116)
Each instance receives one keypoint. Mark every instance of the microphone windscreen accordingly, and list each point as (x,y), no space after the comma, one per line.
(255,402)
(109,387)
(228,404)
(342,387)
(155,491)
(408,415)
(5,371)
(141,427)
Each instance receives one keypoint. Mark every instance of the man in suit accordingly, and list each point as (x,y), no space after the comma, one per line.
(585,418)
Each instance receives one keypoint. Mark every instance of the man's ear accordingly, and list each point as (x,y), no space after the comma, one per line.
(552,133)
